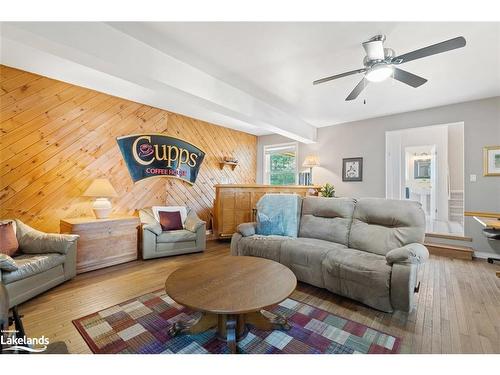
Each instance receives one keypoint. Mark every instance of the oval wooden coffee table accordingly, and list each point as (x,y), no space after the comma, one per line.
(230,292)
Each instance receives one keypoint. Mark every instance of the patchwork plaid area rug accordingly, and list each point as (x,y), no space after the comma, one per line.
(141,326)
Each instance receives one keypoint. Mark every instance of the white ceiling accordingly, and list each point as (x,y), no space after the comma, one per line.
(257,77)
(279,61)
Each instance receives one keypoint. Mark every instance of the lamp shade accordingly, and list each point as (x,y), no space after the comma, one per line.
(311,161)
(101,188)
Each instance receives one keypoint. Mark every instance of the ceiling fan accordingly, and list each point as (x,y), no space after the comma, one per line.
(380,63)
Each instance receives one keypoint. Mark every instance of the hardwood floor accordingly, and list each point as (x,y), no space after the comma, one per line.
(458,306)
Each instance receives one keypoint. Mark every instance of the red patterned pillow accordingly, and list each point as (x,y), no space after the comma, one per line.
(8,240)
(170,220)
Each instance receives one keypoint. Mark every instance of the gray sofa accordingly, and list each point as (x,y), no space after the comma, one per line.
(45,260)
(157,243)
(367,249)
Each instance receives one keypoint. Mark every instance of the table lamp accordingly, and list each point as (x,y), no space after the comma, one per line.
(101,189)
(310,162)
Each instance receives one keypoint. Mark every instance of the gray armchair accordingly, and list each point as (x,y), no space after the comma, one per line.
(157,243)
(44,261)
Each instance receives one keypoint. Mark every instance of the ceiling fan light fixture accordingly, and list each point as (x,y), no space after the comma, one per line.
(379,72)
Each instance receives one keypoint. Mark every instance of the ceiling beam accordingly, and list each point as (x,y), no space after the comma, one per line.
(100,57)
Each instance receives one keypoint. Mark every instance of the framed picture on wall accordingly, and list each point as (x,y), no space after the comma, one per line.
(352,169)
(491,160)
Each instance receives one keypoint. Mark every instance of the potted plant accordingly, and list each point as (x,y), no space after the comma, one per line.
(328,190)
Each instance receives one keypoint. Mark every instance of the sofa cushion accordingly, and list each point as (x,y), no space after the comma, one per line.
(181,235)
(327,219)
(288,205)
(181,209)
(268,247)
(304,256)
(270,225)
(8,241)
(359,275)
(170,220)
(30,265)
(380,225)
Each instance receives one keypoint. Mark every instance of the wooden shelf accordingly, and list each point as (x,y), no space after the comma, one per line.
(230,163)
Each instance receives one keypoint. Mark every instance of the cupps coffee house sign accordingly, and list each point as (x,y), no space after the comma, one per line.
(156,155)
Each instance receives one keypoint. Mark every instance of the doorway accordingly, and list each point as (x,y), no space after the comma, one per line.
(425,164)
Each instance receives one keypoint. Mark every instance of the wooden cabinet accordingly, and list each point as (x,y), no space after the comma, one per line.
(103,242)
(234,204)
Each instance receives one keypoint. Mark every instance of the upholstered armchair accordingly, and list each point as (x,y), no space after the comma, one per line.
(43,261)
(4,311)
(158,243)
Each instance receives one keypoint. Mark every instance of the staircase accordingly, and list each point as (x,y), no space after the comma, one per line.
(456,207)
(450,251)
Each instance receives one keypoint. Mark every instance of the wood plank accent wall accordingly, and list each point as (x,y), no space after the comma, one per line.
(55,138)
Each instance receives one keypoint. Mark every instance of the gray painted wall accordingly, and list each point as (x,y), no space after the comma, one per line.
(366,138)
(456,156)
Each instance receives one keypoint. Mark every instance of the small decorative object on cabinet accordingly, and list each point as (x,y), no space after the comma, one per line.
(310,162)
(352,169)
(491,161)
(328,190)
(101,189)
(103,242)
(305,178)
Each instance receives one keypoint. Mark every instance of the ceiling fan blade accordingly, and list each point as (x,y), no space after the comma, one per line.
(447,45)
(331,78)
(408,78)
(357,90)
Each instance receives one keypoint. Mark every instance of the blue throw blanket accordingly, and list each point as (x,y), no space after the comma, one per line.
(279,214)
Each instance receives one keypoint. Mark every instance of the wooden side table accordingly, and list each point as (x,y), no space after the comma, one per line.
(103,242)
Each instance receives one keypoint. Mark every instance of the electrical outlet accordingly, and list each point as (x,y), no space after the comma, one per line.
(473,178)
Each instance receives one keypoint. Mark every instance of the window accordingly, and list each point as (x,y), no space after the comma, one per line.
(280,164)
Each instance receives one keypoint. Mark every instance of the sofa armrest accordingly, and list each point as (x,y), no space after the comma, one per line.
(235,239)
(7,263)
(247,229)
(193,222)
(201,236)
(4,310)
(32,241)
(70,262)
(414,253)
(154,228)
